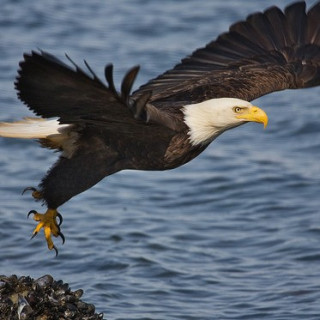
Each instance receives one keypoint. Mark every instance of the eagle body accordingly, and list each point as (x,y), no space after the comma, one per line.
(95,154)
(169,120)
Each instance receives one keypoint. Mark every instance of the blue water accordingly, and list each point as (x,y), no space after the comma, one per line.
(235,234)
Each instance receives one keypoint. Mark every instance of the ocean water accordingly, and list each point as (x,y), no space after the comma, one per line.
(235,234)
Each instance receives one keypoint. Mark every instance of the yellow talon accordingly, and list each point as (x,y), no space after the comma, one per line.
(48,221)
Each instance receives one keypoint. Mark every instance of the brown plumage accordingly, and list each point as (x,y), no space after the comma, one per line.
(147,130)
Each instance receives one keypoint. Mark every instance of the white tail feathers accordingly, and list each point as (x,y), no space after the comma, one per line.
(31,128)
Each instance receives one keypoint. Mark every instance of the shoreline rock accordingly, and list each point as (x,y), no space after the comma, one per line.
(24,298)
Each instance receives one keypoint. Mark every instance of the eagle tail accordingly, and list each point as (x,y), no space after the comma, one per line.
(31,128)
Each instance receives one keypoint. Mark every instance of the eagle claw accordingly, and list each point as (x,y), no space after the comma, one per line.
(31,212)
(28,189)
(56,250)
(33,235)
(48,222)
(35,193)
(62,237)
(60,219)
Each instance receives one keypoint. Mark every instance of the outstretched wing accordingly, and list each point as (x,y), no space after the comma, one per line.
(51,88)
(268,52)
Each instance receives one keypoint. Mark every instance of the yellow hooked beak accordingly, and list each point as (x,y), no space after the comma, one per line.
(254,114)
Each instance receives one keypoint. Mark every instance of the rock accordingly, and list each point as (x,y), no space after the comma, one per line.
(42,299)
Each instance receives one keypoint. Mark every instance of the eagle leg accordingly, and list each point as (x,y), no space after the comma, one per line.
(48,222)
(35,193)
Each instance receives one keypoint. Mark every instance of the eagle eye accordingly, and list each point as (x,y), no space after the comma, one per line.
(238,109)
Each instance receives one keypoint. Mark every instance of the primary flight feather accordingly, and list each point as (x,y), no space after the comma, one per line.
(168,121)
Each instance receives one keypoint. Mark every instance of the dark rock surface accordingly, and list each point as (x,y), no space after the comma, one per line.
(25,298)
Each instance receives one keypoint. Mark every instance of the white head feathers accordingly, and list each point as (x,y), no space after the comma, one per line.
(208,119)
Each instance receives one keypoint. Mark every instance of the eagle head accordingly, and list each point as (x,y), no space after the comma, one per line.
(208,119)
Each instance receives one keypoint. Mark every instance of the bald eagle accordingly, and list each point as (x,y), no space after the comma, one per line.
(168,121)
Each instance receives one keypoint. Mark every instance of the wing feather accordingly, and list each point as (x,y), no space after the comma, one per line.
(51,88)
(297,23)
(313,35)
(267,52)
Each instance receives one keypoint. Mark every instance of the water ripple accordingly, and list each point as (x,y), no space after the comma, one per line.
(231,235)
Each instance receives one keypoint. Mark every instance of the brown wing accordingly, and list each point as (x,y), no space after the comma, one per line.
(268,52)
(51,88)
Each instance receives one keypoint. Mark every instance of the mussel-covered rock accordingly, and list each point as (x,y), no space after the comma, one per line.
(42,299)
